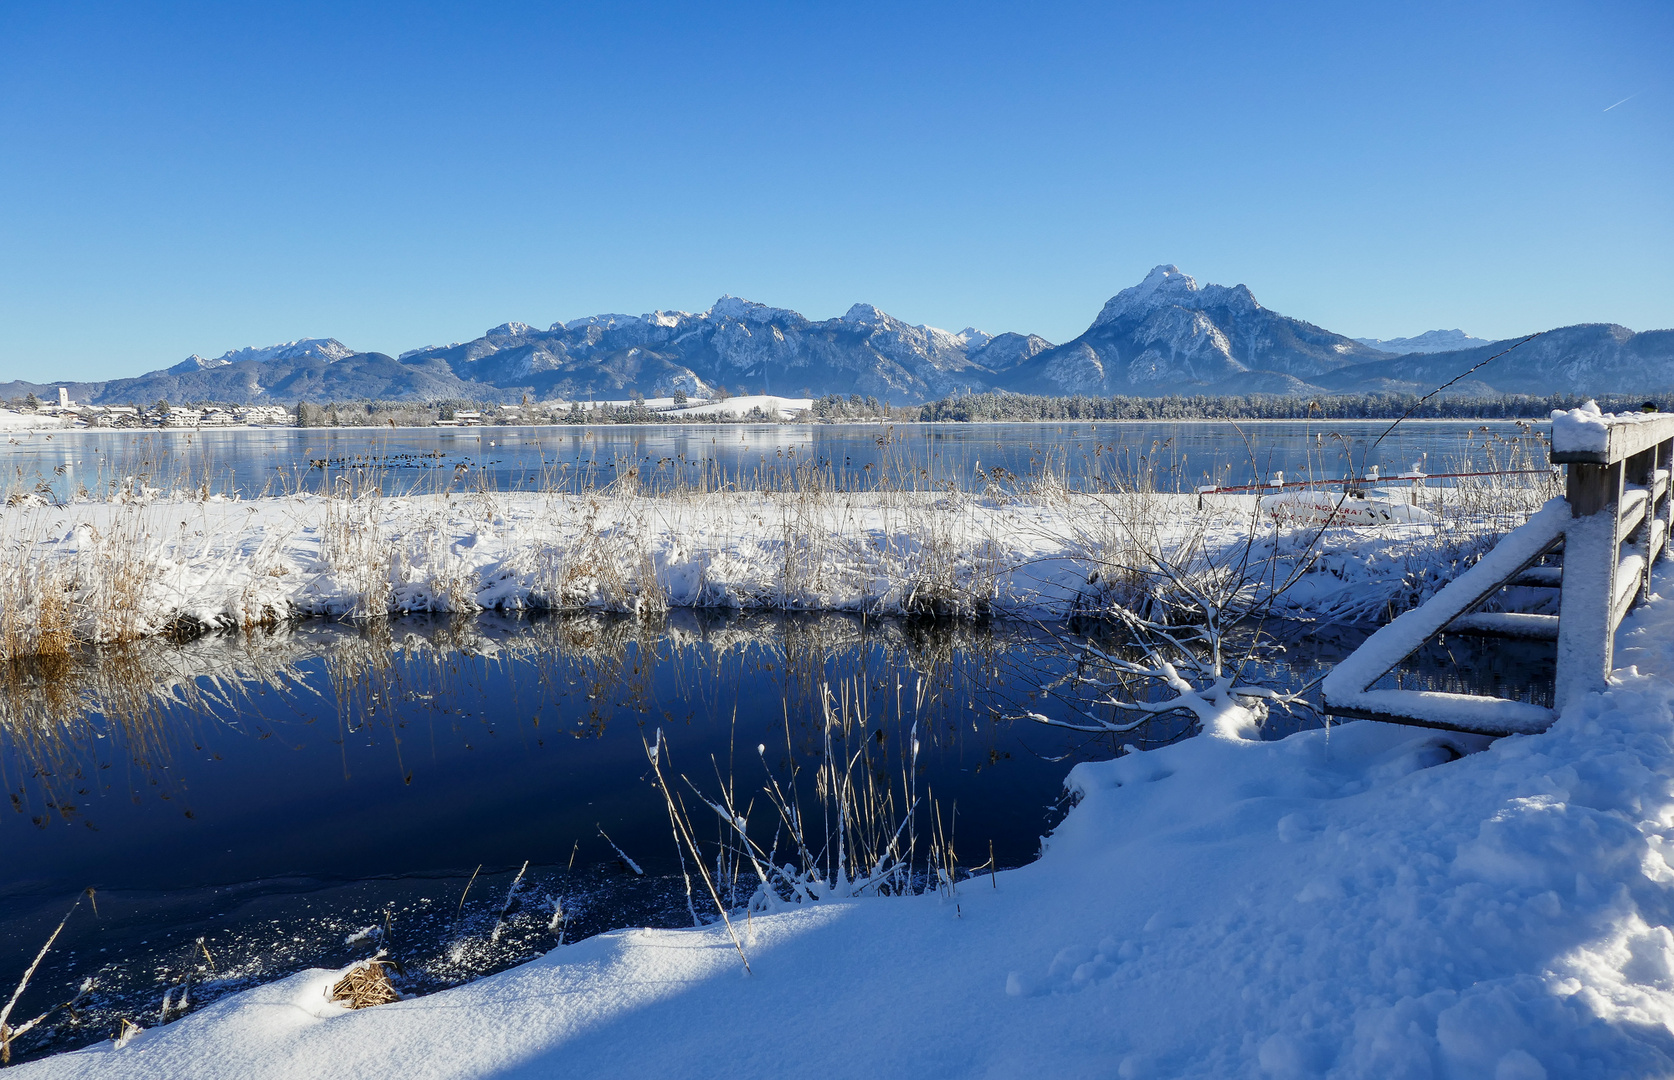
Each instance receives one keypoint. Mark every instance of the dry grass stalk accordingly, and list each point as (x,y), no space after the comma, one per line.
(7,1031)
(367,984)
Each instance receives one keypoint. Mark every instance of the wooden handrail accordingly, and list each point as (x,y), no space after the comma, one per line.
(1580,437)
(1619,519)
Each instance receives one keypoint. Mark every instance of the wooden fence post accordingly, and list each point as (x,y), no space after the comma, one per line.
(1586,636)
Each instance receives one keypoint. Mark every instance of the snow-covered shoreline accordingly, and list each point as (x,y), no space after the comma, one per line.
(119,570)
(1363,901)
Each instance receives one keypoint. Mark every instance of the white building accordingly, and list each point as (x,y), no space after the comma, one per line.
(266,416)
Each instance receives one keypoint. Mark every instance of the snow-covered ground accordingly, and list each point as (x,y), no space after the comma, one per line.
(741,405)
(132,568)
(1364,901)
(28,421)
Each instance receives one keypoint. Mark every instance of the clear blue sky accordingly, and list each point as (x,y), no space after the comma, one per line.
(194,178)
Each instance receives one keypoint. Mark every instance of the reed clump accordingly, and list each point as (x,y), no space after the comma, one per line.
(367,984)
(850,830)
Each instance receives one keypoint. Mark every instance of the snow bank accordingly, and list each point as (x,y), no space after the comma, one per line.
(1357,902)
(133,568)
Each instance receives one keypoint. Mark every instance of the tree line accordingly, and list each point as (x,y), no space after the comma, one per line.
(997,407)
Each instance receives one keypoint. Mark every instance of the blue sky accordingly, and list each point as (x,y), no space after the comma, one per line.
(195,178)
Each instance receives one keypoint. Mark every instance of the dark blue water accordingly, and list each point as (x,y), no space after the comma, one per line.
(249,805)
(274,795)
(1173,455)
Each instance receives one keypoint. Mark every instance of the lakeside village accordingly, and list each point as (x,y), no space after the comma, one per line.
(722,406)
(29,411)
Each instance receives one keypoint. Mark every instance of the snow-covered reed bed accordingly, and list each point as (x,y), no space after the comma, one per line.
(144,563)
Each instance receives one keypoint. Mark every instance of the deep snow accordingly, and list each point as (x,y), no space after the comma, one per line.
(1361,901)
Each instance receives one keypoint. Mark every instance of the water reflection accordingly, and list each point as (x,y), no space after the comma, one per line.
(1170,454)
(111,755)
(124,739)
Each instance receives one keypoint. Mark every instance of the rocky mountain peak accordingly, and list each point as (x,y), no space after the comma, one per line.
(1165,285)
(742,310)
(864,315)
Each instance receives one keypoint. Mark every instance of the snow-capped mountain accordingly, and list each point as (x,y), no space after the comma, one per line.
(327,349)
(1169,335)
(1431,341)
(1165,335)
(735,343)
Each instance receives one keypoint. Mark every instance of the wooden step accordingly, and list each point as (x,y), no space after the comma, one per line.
(1506,624)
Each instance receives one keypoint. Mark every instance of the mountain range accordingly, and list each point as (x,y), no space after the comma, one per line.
(1428,342)
(1165,335)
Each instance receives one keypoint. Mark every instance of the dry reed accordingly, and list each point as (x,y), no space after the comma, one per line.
(366,984)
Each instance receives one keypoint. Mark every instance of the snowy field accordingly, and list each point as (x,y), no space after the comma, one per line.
(28,421)
(785,408)
(1363,901)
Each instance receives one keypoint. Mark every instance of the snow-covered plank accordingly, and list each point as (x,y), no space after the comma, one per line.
(1586,436)
(1508,624)
(1629,574)
(1405,634)
(1631,511)
(1455,712)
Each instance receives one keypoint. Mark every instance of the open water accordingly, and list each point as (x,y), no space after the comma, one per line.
(1178,455)
(247,806)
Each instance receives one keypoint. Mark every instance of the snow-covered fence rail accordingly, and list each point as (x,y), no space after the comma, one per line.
(1610,526)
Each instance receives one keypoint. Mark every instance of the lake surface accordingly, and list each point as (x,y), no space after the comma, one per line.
(1172,455)
(248,805)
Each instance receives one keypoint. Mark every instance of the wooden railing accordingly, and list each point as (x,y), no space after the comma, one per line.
(1609,528)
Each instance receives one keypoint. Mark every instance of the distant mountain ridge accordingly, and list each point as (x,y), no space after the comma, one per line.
(1590,358)
(1165,335)
(1431,341)
(327,349)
